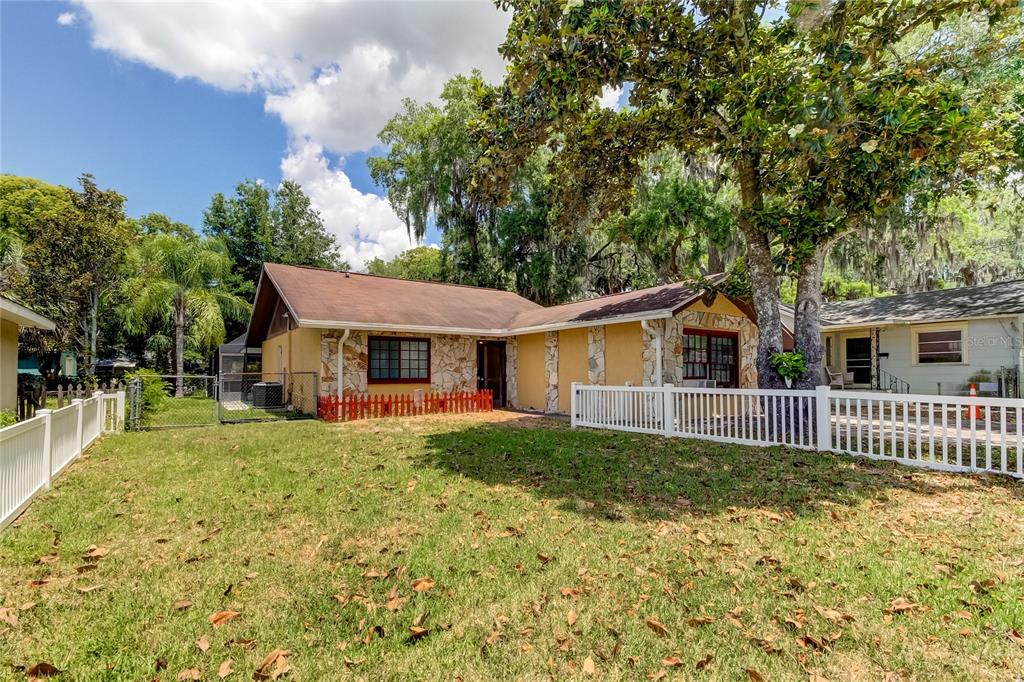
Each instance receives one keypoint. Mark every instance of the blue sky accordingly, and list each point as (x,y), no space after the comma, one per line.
(170,102)
(164,143)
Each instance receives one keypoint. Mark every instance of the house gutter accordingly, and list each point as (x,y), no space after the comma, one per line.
(341,362)
(469,331)
(659,372)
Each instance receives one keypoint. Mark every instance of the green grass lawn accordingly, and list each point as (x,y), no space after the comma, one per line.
(202,411)
(546,554)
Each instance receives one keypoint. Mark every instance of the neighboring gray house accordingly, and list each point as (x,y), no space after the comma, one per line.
(929,342)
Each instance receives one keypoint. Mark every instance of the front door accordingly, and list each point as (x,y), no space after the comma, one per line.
(858,359)
(490,369)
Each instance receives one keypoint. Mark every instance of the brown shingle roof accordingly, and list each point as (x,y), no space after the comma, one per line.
(654,299)
(326,298)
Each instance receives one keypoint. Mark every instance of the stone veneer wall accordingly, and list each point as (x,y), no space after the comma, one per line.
(672,345)
(551,369)
(595,355)
(511,372)
(452,361)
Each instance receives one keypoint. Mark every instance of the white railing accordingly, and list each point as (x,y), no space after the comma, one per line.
(35,451)
(940,432)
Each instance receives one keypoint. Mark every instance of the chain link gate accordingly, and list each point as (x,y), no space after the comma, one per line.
(158,401)
(267,396)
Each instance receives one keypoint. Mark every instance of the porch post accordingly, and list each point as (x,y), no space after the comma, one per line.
(876,379)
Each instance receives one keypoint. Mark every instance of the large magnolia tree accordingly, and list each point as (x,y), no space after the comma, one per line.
(820,117)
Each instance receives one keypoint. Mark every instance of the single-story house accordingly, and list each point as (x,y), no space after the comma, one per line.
(364,334)
(929,342)
(13,318)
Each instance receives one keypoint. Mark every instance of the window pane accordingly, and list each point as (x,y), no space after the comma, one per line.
(940,346)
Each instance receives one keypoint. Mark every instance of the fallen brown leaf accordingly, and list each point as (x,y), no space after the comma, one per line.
(273,665)
(190,674)
(43,669)
(417,632)
(901,605)
(571,618)
(203,643)
(588,666)
(754,675)
(181,605)
(657,626)
(94,553)
(220,617)
(225,669)
(422,584)
(705,662)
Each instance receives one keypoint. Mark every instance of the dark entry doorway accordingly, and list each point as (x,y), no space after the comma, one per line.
(858,359)
(490,369)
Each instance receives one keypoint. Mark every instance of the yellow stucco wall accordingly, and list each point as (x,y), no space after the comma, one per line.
(572,363)
(295,351)
(8,365)
(530,376)
(721,305)
(396,389)
(623,354)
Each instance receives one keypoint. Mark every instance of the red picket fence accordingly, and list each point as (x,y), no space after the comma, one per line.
(333,409)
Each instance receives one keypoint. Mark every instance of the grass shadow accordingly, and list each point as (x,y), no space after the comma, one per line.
(611,475)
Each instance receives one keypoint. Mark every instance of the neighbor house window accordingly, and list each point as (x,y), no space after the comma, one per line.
(711,355)
(394,359)
(940,346)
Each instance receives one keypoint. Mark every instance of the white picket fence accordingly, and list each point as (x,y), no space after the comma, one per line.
(37,450)
(949,433)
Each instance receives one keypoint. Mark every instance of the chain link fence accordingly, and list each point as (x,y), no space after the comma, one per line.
(172,401)
(267,396)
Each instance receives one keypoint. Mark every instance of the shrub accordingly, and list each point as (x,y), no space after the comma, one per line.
(790,365)
(153,394)
(7,418)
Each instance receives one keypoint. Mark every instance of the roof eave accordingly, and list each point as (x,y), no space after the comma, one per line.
(470,331)
(23,317)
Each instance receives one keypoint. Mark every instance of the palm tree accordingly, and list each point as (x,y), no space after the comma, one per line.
(178,281)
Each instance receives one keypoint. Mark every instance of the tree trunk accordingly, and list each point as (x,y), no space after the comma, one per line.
(763,283)
(716,263)
(807,331)
(93,325)
(179,346)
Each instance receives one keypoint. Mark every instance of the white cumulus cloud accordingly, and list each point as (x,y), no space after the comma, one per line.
(363,224)
(67,18)
(334,73)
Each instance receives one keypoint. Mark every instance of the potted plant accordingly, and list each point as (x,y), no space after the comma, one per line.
(790,365)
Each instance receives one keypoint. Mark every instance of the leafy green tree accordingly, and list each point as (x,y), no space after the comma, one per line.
(178,281)
(299,236)
(244,223)
(821,119)
(66,249)
(421,263)
(426,174)
(260,226)
(678,222)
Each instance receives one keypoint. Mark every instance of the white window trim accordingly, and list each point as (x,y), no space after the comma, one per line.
(940,327)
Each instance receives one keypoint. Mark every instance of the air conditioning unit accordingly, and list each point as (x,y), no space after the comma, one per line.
(268,395)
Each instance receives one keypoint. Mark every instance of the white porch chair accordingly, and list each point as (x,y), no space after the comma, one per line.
(840,380)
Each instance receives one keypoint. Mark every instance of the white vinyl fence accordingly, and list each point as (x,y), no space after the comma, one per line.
(950,433)
(37,450)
